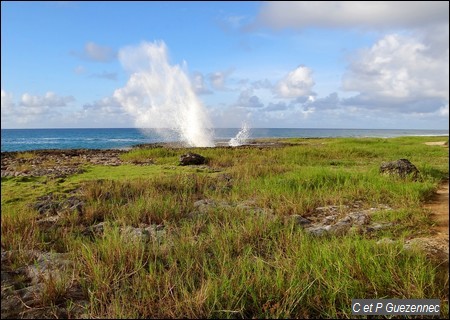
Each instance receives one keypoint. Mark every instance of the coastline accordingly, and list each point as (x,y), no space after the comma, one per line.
(32,139)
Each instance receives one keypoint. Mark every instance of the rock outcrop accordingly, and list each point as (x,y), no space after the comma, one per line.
(339,221)
(402,168)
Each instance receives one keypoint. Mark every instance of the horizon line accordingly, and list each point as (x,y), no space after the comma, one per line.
(306,128)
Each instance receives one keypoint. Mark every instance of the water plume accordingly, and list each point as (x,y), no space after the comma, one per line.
(159,95)
(241,137)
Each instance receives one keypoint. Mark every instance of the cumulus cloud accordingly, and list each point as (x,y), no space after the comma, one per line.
(371,14)
(297,83)
(8,104)
(34,109)
(106,112)
(405,73)
(402,72)
(247,99)
(98,53)
(105,106)
(50,99)
(331,101)
(443,111)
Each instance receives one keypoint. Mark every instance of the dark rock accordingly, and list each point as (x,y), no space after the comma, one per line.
(379,226)
(319,231)
(402,168)
(191,158)
(298,219)
(52,205)
(207,205)
(341,227)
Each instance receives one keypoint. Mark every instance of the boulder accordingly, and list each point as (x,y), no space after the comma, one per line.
(191,158)
(402,168)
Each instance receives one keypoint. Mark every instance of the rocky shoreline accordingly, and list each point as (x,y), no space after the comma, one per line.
(60,163)
(56,163)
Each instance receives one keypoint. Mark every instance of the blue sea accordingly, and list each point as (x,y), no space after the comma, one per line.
(33,139)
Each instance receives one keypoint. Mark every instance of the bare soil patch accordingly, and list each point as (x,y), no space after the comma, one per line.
(437,245)
(439,206)
(437,143)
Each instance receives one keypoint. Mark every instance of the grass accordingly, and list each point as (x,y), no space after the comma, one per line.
(229,262)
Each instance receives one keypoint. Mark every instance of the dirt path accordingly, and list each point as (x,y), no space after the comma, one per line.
(439,206)
(436,245)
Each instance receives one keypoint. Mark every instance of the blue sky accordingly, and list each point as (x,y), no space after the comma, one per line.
(270,64)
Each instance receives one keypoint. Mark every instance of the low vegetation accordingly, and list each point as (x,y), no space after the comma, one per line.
(229,261)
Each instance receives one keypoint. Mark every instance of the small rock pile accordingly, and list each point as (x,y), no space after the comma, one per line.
(145,232)
(340,220)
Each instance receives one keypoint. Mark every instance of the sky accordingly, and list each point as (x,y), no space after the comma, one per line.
(305,64)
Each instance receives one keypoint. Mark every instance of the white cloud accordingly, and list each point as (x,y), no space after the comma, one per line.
(329,102)
(371,14)
(400,72)
(218,79)
(443,111)
(95,52)
(53,111)
(198,83)
(105,106)
(34,110)
(8,104)
(297,83)
(50,99)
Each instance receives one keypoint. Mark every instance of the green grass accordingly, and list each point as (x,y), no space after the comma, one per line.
(230,262)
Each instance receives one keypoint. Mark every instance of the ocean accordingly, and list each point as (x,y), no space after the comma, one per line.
(33,139)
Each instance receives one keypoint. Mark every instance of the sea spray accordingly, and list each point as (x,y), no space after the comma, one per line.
(159,95)
(241,137)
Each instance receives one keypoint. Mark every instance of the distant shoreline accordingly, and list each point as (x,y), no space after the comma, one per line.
(220,143)
(124,139)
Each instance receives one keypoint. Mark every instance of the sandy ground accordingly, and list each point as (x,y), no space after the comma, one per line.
(439,206)
(437,245)
(437,143)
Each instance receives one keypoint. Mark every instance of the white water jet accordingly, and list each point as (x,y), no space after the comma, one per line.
(159,95)
(241,137)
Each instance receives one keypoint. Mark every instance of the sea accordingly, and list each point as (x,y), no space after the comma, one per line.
(125,138)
